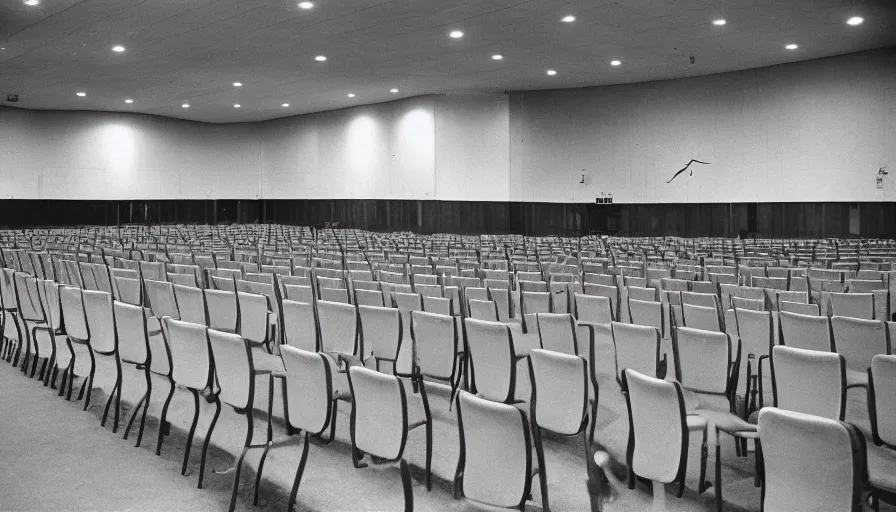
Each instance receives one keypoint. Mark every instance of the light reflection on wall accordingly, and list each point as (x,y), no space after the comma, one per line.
(119,145)
(362,138)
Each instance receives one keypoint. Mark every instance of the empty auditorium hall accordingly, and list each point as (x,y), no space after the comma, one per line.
(448,255)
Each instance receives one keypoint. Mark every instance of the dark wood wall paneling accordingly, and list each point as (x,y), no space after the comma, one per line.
(717,219)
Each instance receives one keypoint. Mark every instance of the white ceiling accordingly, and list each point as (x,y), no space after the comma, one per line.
(193,50)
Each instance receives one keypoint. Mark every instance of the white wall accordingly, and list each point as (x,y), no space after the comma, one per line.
(809,131)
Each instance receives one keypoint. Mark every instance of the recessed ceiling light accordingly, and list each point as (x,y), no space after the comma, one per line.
(552,72)
(305,5)
(855,20)
(320,58)
(236,105)
(393,91)
(568,19)
(81,94)
(285,105)
(351,95)
(456,34)
(719,22)
(118,48)
(615,62)
(791,46)
(32,2)
(128,100)
(186,105)
(237,84)
(497,56)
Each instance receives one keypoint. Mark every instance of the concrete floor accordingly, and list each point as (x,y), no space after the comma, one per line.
(56,457)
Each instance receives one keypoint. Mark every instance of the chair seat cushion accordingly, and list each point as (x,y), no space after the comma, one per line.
(882,467)
(856,378)
(266,363)
(726,421)
(696,422)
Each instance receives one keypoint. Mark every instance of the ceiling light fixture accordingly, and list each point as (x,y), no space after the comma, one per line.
(792,46)
(456,34)
(237,84)
(285,105)
(128,100)
(351,95)
(497,56)
(320,58)
(32,2)
(185,105)
(236,105)
(855,20)
(305,5)
(615,62)
(118,48)
(81,94)
(552,72)
(568,19)
(719,22)
(393,91)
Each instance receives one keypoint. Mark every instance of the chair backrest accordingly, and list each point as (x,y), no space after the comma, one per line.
(233,368)
(812,464)
(191,365)
(805,331)
(133,338)
(100,321)
(128,290)
(436,344)
(379,420)
(191,304)
(700,317)
(658,435)
(299,325)
(799,308)
(73,314)
(593,309)
(643,294)
(50,303)
(494,360)
(859,340)
(755,330)
(381,332)
(442,306)
(557,332)
(309,389)
(299,293)
(809,381)
(610,292)
(483,310)
(338,327)
(559,400)
(882,399)
(744,303)
(255,320)
(853,305)
(703,359)
(637,347)
(865,285)
(222,309)
(495,451)
(649,313)
(162,301)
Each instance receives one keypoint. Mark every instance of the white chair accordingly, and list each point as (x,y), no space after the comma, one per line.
(495,463)
(437,352)
(299,325)
(133,348)
(532,303)
(492,359)
(882,413)
(809,381)
(608,291)
(483,310)
(63,355)
(798,450)
(701,317)
(191,304)
(381,418)
(103,341)
(382,335)
(756,332)
(658,433)
(638,347)
(369,298)
(859,341)
(236,366)
(440,305)
(223,311)
(852,305)
(594,309)
(338,328)
(805,331)
(648,313)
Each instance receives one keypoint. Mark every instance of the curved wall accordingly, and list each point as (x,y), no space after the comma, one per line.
(804,132)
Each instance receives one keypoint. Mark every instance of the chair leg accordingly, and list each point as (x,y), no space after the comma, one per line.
(89,381)
(134,414)
(406,485)
(62,382)
(264,456)
(145,407)
(71,380)
(208,438)
(593,420)
(718,480)
(704,455)
(239,462)
(51,378)
(760,465)
(298,479)
(659,497)
(428,425)
(183,469)
(539,453)
(44,375)
(162,419)
(116,392)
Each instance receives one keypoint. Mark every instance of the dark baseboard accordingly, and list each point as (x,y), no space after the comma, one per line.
(798,220)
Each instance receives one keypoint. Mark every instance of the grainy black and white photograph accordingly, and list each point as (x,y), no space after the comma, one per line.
(447,255)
